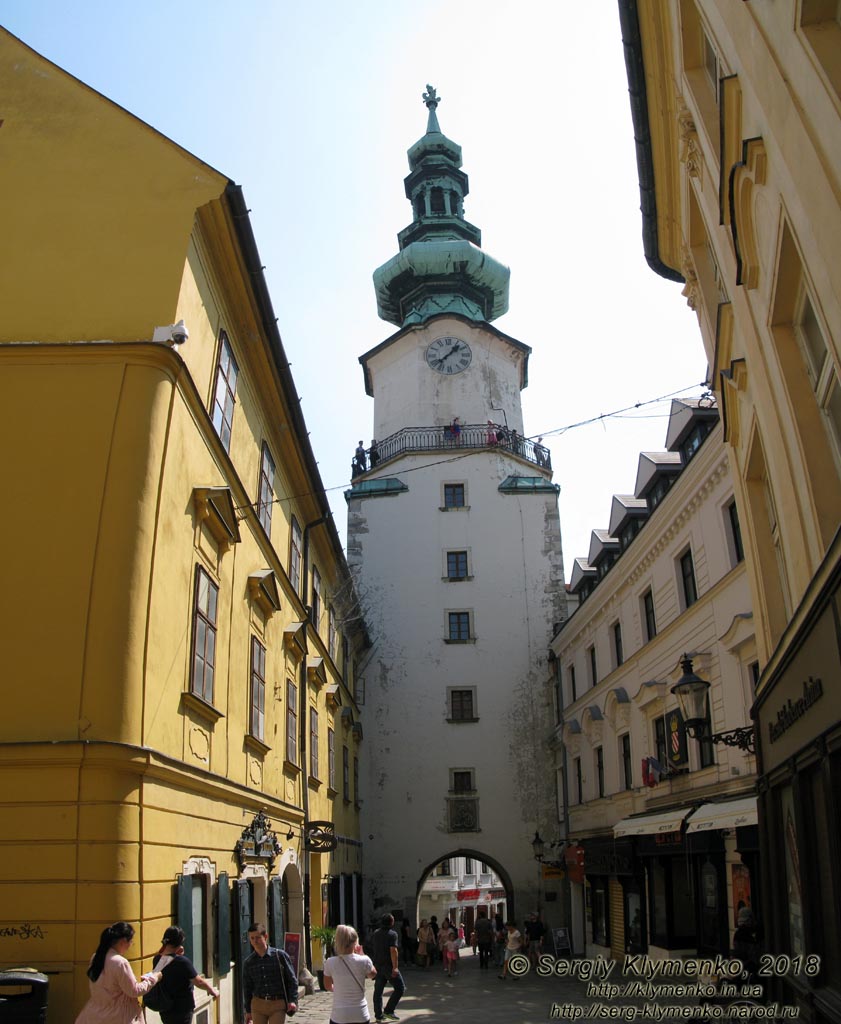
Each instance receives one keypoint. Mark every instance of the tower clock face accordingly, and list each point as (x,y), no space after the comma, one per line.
(448,355)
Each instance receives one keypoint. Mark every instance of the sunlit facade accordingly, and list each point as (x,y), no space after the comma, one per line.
(737,116)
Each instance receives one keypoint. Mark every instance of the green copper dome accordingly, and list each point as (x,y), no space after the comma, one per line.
(440,267)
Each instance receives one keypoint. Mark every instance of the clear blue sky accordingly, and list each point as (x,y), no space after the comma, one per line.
(311,108)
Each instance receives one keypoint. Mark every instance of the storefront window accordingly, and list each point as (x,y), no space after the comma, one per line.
(710,922)
(600,930)
(659,914)
(633,922)
(794,887)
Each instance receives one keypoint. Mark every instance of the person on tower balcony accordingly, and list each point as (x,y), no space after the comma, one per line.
(373,453)
(361,458)
(492,439)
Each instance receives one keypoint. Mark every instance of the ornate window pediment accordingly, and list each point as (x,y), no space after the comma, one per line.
(316,672)
(214,506)
(593,723)
(653,689)
(745,176)
(617,708)
(294,639)
(333,696)
(263,589)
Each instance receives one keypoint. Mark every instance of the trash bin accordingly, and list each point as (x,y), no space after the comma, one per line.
(23,996)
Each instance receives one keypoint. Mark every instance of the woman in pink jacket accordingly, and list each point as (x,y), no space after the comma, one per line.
(114,989)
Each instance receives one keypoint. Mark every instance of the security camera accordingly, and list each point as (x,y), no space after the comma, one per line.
(173,334)
(180,333)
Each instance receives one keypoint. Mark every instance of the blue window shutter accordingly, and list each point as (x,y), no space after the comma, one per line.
(276,912)
(185,913)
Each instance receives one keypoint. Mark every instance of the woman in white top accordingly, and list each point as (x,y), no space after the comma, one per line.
(344,976)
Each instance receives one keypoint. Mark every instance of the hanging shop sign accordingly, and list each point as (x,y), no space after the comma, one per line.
(320,836)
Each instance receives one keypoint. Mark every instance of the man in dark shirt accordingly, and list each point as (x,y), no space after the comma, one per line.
(178,978)
(484,938)
(269,982)
(534,937)
(385,960)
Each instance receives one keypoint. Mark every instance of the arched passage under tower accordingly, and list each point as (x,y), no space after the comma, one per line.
(460,885)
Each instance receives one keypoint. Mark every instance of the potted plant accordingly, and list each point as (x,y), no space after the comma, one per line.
(325,935)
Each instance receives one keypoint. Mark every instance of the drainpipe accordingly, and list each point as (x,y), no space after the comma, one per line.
(303,731)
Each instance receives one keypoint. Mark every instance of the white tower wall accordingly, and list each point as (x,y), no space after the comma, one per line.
(397,548)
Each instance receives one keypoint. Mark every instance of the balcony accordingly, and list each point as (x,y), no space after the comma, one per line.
(472,436)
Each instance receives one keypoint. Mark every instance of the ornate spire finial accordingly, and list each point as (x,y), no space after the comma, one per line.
(431,99)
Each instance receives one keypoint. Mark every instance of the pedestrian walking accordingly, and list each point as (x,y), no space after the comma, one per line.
(388,970)
(512,945)
(270,988)
(426,940)
(173,997)
(344,976)
(114,989)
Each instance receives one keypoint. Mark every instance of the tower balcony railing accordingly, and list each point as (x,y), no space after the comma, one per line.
(469,437)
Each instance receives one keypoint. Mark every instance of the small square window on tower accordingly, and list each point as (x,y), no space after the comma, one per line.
(454,496)
(459,627)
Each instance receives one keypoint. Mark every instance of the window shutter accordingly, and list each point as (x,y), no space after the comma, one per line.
(242,909)
(185,912)
(223,925)
(335,904)
(276,912)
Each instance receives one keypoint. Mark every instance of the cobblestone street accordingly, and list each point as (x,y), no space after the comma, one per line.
(471,997)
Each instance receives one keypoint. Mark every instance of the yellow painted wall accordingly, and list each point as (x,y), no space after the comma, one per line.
(115,206)
(110,779)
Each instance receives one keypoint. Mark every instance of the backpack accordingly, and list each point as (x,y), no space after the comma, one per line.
(158,999)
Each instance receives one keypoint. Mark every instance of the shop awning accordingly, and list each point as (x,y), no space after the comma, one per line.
(651,824)
(728,814)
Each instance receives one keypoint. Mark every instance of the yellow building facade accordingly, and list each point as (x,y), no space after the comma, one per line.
(737,117)
(180,739)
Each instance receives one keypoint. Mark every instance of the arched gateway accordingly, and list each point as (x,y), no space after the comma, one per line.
(463,884)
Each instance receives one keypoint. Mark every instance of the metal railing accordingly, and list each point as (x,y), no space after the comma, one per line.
(470,436)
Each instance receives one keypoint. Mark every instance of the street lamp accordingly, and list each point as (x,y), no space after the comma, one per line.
(539,848)
(691,691)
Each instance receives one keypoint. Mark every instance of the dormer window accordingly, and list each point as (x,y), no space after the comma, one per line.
(659,491)
(695,439)
(631,529)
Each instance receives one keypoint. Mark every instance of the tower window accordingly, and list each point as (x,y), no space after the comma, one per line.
(457,565)
(454,496)
(458,625)
(437,200)
(462,705)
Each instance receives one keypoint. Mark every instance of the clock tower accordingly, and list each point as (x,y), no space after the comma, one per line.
(454,538)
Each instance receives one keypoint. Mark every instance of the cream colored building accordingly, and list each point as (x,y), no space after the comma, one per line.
(737,115)
(667,578)
(180,627)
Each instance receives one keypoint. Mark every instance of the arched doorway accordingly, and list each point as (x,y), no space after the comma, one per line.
(460,884)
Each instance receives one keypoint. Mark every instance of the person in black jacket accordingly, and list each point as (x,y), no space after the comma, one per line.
(178,978)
